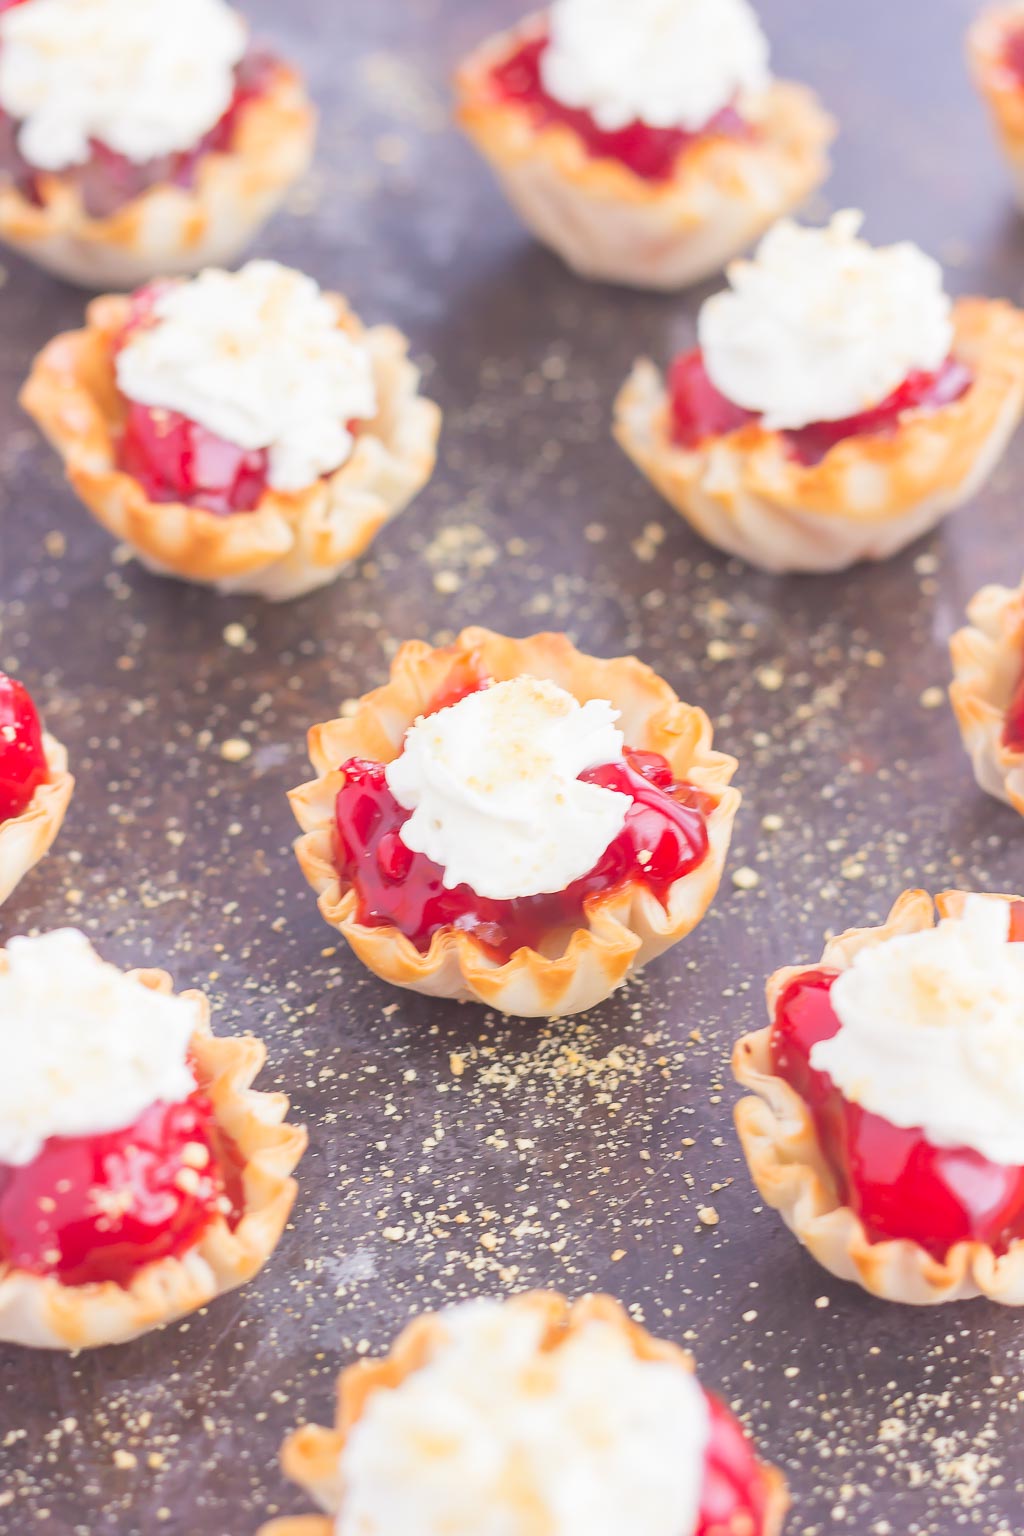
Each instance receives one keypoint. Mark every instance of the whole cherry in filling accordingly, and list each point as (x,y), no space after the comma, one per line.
(1013,724)
(897,1182)
(736,1492)
(650,153)
(91,1208)
(22,754)
(699,412)
(1013,54)
(664,837)
(176,459)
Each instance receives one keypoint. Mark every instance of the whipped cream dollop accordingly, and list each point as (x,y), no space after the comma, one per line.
(932,1033)
(820,325)
(497,1436)
(144,77)
(256,356)
(492,783)
(85,1048)
(669,63)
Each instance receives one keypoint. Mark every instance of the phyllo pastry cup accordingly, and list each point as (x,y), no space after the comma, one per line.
(870,495)
(43,1312)
(1001,86)
(24,839)
(781,1143)
(312,1455)
(625,927)
(290,543)
(172,229)
(610,224)
(987,694)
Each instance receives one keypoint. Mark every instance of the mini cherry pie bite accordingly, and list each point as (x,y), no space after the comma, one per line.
(987,691)
(995,54)
(35,785)
(242,430)
(558,1417)
(514,822)
(140,1175)
(837,406)
(888,1101)
(647,143)
(139,137)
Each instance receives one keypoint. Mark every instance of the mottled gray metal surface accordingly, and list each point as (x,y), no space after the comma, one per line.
(574,1155)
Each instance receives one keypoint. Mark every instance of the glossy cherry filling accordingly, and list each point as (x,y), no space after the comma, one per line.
(100,1207)
(897,1182)
(699,411)
(108,180)
(650,153)
(1013,724)
(664,837)
(1013,54)
(23,764)
(735,1497)
(177,459)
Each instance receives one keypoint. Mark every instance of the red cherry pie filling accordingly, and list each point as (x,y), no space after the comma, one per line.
(1013,725)
(177,459)
(736,1495)
(1013,55)
(109,180)
(698,411)
(650,153)
(94,1208)
(894,1179)
(23,765)
(664,838)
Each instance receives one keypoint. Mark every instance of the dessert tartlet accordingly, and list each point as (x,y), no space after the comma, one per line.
(987,692)
(35,785)
(557,1416)
(482,827)
(139,138)
(140,1175)
(838,404)
(889,1101)
(646,144)
(243,430)
(995,53)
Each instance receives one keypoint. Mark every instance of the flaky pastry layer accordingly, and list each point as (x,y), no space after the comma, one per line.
(608,223)
(780,1141)
(625,928)
(43,1313)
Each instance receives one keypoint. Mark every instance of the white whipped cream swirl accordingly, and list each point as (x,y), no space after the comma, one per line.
(85,1049)
(820,325)
(495,1436)
(145,77)
(932,1033)
(670,63)
(493,786)
(256,356)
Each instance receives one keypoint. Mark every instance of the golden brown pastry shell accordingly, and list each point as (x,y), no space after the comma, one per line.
(870,495)
(173,229)
(608,223)
(998,85)
(41,1312)
(288,544)
(625,928)
(311,1455)
(781,1145)
(26,838)
(988,663)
